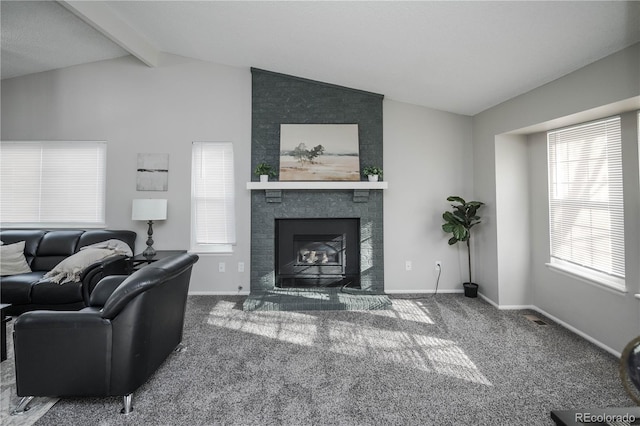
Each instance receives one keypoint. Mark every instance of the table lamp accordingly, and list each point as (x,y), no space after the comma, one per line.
(149,210)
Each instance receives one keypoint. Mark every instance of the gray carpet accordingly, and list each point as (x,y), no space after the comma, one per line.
(325,299)
(443,360)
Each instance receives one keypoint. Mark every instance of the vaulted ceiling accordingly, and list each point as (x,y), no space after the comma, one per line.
(456,56)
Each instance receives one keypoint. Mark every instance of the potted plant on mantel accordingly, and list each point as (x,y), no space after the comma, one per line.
(373,173)
(265,171)
(459,223)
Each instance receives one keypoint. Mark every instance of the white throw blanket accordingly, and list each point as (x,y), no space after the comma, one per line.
(70,269)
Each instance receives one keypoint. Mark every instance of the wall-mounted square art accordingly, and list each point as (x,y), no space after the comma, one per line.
(153,172)
(324,152)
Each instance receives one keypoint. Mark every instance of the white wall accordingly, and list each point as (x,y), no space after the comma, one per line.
(512,219)
(610,315)
(137,109)
(608,318)
(427,157)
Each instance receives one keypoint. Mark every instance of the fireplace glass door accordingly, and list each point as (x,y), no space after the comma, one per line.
(317,252)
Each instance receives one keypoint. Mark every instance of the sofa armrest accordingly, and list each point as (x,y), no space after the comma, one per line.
(115,265)
(104,288)
(62,353)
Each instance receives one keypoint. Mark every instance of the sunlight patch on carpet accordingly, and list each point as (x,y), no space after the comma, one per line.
(405,310)
(419,351)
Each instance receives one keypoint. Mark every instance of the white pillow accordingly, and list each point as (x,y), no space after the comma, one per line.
(69,269)
(12,260)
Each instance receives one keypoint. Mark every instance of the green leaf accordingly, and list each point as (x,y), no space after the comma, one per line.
(456,198)
(452,241)
(448,227)
(460,232)
(449,217)
(460,214)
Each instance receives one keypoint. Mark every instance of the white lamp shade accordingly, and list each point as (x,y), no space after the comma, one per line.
(149,209)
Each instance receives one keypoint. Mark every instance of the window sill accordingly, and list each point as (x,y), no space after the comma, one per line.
(589,278)
(53,226)
(216,250)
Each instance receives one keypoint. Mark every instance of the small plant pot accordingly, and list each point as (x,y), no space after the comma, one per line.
(264,178)
(373,178)
(470,289)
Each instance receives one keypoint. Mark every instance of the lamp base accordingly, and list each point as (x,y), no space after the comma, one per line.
(149,252)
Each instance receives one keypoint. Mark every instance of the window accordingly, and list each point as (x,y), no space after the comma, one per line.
(586,202)
(52,184)
(212,197)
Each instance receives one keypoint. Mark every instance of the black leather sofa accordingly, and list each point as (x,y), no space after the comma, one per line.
(111,347)
(44,249)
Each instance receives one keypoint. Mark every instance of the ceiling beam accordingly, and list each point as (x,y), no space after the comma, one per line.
(101,17)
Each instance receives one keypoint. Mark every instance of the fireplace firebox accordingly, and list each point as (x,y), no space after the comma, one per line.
(317,252)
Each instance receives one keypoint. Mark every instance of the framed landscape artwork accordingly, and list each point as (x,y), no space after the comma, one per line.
(319,152)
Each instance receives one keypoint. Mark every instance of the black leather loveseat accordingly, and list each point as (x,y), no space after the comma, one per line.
(43,250)
(111,347)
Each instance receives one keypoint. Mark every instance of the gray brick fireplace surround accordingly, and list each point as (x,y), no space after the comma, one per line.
(281,99)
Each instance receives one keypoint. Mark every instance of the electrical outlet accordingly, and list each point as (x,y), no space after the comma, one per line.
(240,266)
(438,264)
(408,265)
(221,267)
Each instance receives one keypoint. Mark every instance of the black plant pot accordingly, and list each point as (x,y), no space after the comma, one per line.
(470,289)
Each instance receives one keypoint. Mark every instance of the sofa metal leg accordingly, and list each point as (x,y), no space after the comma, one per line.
(23,406)
(128,404)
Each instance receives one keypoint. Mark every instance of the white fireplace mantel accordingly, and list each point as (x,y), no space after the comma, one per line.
(316,185)
(273,190)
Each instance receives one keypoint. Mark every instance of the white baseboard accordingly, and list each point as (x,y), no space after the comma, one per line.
(505,307)
(218,293)
(578,332)
(421,291)
(489,301)
(554,319)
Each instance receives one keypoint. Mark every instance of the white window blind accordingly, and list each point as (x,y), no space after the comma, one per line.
(212,197)
(52,183)
(585,198)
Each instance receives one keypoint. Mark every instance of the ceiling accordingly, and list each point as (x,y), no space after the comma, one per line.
(462,57)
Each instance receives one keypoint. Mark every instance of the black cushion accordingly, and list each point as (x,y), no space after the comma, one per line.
(103,290)
(146,278)
(50,293)
(54,247)
(16,289)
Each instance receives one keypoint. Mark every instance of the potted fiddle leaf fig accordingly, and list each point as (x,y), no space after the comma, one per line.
(459,222)
(373,173)
(265,171)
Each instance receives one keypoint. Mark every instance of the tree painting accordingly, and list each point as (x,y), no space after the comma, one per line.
(334,155)
(302,154)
